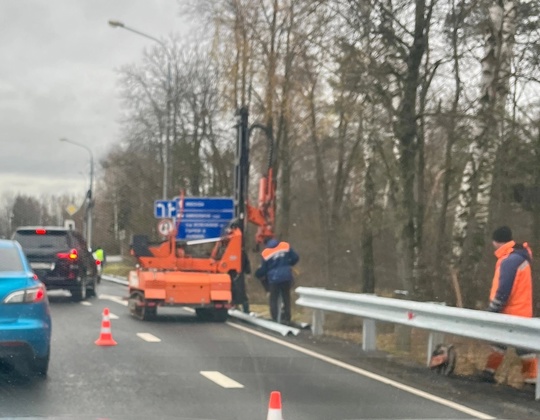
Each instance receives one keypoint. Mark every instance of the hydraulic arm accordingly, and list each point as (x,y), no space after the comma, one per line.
(262,215)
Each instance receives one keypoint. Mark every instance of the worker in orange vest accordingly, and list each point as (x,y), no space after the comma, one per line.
(511,294)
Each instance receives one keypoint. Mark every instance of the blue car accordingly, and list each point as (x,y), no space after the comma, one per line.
(25,319)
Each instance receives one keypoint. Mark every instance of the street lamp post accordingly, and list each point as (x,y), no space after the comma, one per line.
(117,24)
(90,194)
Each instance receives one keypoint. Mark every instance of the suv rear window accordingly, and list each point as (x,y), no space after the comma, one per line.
(10,260)
(49,239)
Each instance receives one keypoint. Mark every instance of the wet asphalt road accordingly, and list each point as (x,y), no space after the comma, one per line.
(178,367)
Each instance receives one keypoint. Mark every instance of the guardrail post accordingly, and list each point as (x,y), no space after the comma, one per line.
(369,335)
(434,339)
(317,322)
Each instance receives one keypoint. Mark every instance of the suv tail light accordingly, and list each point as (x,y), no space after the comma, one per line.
(71,255)
(32,295)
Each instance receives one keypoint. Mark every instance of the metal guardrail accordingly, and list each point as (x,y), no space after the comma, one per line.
(114,258)
(115,279)
(284,330)
(437,319)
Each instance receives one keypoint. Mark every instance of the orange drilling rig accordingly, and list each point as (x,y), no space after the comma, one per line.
(168,274)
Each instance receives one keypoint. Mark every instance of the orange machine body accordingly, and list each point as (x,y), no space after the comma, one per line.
(182,287)
(168,276)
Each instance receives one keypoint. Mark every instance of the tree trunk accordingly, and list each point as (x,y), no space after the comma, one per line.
(368,260)
(451,126)
(285,183)
(535,243)
(406,132)
(424,279)
(322,193)
(283,143)
(472,212)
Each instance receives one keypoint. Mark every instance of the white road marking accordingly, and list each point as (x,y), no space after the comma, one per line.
(148,337)
(85,303)
(221,379)
(116,299)
(371,375)
(188,309)
(113,316)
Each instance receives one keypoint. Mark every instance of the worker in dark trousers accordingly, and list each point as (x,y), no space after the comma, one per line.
(278,258)
(511,293)
(239,292)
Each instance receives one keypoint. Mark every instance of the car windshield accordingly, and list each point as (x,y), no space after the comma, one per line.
(49,239)
(10,260)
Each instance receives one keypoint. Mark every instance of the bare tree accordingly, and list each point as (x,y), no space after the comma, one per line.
(472,212)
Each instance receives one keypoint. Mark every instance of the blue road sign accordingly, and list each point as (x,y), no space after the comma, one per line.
(205,204)
(204,218)
(165,209)
(189,231)
(224,215)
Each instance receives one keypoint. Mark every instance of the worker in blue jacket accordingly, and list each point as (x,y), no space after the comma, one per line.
(278,258)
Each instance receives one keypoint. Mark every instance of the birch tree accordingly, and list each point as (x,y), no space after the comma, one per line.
(472,212)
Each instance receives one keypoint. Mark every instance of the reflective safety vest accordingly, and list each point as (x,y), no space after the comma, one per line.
(99,254)
(278,251)
(277,263)
(519,301)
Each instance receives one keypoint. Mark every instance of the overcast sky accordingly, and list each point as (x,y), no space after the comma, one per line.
(58,79)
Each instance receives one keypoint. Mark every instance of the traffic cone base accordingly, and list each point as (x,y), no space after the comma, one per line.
(105,341)
(105,336)
(274,407)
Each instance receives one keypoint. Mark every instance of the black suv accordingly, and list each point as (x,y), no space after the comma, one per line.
(60,258)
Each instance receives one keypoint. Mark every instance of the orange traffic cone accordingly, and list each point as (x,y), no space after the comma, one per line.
(274,407)
(105,337)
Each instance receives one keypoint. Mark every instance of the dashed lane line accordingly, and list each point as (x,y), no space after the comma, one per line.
(85,303)
(113,316)
(220,379)
(116,299)
(148,337)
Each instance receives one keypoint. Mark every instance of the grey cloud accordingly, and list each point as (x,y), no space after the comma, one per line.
(58,79)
